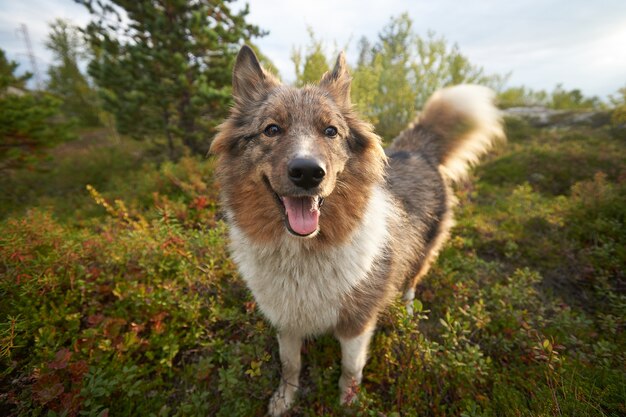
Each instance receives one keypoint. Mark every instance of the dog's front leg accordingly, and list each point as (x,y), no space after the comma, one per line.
(353,358)
(289,346)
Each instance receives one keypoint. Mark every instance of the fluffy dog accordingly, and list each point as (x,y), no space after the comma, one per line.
(325,226)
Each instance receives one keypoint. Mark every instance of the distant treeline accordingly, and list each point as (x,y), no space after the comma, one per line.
(163,74)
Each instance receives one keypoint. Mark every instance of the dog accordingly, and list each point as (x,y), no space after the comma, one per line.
(326,227)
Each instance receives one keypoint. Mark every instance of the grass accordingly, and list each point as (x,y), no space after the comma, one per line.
(120,299)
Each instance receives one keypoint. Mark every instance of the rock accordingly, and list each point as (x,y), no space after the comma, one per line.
(539,116)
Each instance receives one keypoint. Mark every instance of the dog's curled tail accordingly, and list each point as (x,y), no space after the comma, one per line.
(456,127)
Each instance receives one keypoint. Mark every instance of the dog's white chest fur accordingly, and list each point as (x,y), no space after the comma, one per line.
(302,291)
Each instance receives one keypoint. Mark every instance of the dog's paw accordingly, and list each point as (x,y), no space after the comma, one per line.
(280,403)
(349,390)
(409,309)
(409,299)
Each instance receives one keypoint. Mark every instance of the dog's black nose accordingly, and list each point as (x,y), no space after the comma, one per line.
(305,173)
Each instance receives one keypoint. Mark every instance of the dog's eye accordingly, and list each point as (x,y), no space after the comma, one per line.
(330,131)
(271,130)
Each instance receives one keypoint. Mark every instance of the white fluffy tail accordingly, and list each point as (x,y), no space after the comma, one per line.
(467,125)
(456,127)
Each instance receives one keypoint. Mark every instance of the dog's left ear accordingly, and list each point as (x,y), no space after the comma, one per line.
(250,80)
(338,81)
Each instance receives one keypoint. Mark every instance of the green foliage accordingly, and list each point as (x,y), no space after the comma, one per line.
(618,115)
(603,202)
(413,67)
(123,169)
(396,74)
(29,123)
(571,100)
(164,70)
(310,70)
(365,85)
(102,318)
(79,100)
(439,65)
(551,161)
(384,70)
(117,296)
(559,99)
(7,74)
(522,97)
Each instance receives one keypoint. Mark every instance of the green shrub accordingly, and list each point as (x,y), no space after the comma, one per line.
(119,298)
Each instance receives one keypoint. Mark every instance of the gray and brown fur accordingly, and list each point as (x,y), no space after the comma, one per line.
(297,279)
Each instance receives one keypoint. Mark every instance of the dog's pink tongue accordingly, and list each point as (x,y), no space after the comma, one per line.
(303,214)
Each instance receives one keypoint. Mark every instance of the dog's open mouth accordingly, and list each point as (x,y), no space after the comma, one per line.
(303,214)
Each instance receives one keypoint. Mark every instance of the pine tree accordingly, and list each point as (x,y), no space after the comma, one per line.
(65,79)
(164,66)
(29,123)
(8,79)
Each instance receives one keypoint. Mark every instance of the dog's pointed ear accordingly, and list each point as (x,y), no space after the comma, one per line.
(338,81)
(250,80)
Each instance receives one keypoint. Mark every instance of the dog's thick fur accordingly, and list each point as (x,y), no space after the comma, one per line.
(384,217)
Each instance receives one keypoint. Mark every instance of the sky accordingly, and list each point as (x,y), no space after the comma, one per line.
(578,43)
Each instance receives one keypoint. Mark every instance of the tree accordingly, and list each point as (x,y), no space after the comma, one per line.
(521,97)
(7,77)
(439,65)
(164,66)
(366,95)
(618,114)
(79,100)
(29,123)
(562,99)
(395,103)
(315,63)
(395,75)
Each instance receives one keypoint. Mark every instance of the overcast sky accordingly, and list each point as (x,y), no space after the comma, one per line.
(579,43)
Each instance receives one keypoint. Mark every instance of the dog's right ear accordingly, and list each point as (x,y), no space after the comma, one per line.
(250,80)
(338,81)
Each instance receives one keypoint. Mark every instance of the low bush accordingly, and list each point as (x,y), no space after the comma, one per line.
(117,296)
